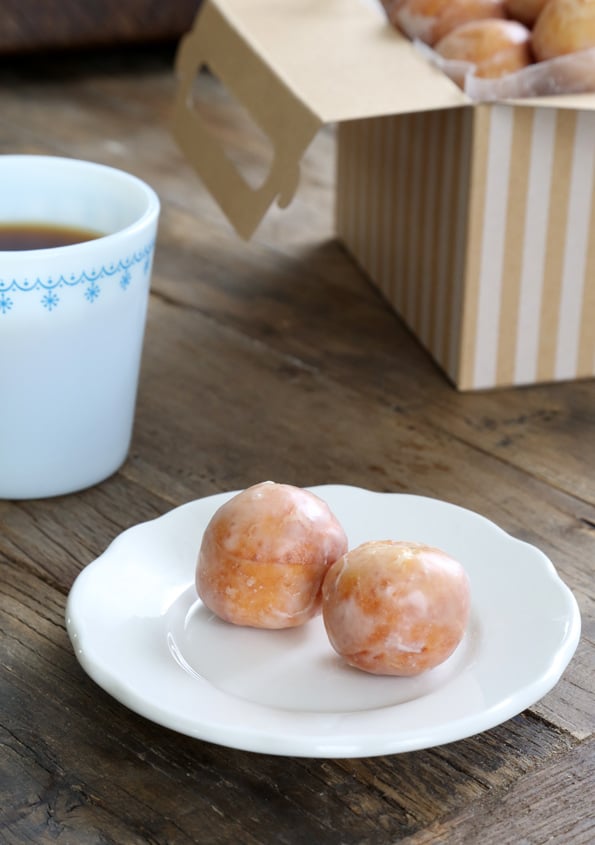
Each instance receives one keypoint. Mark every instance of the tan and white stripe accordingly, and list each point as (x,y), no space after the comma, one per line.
(478,225)
(538,192)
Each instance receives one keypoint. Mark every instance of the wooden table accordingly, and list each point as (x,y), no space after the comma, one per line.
(274,359)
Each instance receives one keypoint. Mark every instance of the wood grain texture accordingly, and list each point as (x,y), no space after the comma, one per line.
(274,359)
(29,26)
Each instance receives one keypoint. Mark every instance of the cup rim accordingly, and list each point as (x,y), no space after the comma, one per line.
(150,213)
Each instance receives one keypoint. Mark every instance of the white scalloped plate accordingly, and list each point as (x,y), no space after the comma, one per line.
(141,633)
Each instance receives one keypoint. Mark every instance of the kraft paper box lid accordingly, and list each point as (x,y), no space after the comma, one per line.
(295,65)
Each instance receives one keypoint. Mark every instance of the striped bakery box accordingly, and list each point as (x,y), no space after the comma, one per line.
(478,226)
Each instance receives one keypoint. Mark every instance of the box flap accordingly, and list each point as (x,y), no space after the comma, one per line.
(289,124)
(341,57)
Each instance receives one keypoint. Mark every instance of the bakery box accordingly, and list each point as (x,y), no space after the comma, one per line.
(475,220)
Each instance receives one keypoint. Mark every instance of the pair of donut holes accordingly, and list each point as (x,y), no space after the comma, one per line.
(274,556)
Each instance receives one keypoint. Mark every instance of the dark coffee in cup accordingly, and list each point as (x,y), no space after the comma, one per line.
(21,236)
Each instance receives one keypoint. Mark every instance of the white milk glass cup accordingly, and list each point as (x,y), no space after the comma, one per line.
(72,321)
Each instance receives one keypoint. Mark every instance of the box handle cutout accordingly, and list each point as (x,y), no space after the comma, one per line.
(273,108)
(244,144)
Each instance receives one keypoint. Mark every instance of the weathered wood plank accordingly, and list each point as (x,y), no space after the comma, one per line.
(103,770)
(552,805)
(30,26)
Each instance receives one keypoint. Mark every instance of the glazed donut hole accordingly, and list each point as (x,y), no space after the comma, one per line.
(495,47)
(564,27)
(395,608)
(264,554)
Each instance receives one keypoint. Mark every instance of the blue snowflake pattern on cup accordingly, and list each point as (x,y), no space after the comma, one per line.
(92,292)
(90,280)
(5,303)
(50,300)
